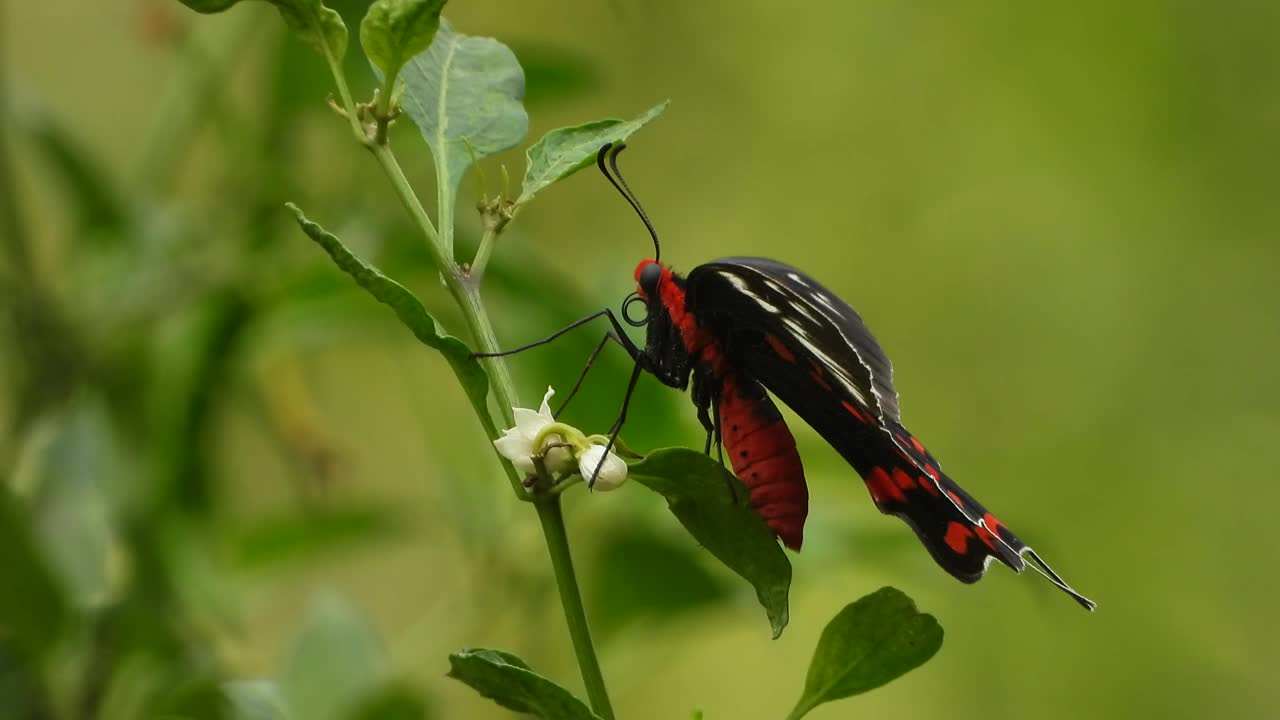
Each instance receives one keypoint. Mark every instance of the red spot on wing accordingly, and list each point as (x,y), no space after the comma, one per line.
(916,444)
(957,537)
(955,499)
(819,375)
(882,487)
(928,483)
(853,410)
(986,536)
(902,479)
(780,348)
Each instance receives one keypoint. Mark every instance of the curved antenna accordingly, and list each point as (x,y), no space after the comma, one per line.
(611,151)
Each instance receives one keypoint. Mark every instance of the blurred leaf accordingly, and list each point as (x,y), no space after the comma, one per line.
(638,574)
(391,703)
(69,506)
(255,700)
(335,662)
(319,26)
(554,73)
(302,534)
(100,214)
(464,93)
(508,681)
(564,151)
(395,30)
(32,608)
(697,491)
(867,644)
(407,307)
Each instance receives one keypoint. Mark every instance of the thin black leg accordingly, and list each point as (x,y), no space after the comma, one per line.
(621,334)
(617,424)
(583,375)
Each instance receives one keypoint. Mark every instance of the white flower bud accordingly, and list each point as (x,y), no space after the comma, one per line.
(612,473)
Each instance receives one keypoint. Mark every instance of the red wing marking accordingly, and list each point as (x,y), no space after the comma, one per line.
(957,537)
(916,444)
(882,487)
(902,479)
(986,536)
(854,411)
(818,375)
(782,350)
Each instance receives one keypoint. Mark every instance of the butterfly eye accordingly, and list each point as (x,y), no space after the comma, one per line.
(649,277)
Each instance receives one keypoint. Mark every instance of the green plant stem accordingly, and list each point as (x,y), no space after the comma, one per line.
(552,518)
(466,292)
(487,242)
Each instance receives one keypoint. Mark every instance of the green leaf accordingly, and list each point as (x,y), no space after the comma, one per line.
(508,681)
(406,306)
(697,492)
(867,644)
(336,661)
(319,26)
(32,607)
(395,30)
(464,93)
(564,151)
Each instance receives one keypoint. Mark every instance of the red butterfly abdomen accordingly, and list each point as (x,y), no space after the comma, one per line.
(763,454)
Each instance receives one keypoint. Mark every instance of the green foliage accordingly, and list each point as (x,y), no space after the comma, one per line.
(509,681)
(872,641)
(33,609)
(406,306)
(564,151)
(698,492)
(464,93)
(301,535)
(319,26)
(395,30)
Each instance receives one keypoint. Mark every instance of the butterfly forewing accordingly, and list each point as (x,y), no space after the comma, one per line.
(757,295)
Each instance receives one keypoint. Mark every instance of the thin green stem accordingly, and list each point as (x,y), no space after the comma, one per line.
(487,241)
(552,518)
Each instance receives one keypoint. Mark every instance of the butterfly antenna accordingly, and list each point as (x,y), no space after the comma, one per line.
(610,151)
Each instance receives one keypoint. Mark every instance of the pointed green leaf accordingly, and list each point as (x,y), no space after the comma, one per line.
(406,306)
(867,644)
(697,492)
(395,30)
(464,93)
(508,681)
(320,27)
(564,151)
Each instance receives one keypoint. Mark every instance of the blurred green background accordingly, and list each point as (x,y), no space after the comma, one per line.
(1060,219)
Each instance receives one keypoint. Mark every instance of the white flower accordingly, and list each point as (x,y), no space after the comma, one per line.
(612,473)
(516,444)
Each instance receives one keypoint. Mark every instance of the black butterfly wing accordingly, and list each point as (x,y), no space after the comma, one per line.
(815,353)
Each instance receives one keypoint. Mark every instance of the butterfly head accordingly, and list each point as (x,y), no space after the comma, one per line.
(650,275)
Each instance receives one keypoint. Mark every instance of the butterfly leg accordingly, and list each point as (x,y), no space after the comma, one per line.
(617,424)
(591,360)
